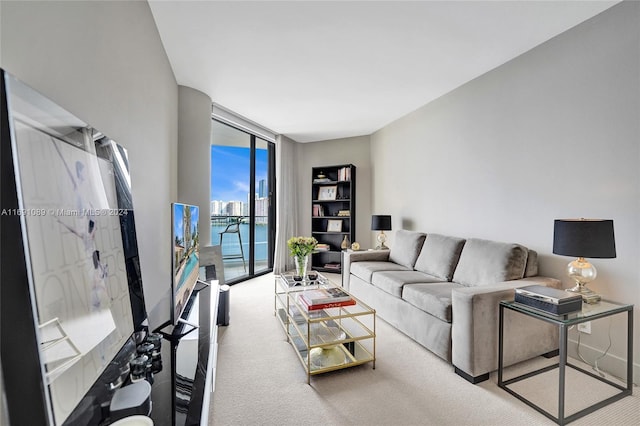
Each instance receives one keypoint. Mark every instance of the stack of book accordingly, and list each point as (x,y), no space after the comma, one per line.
(335,266)
(549,299)
(323,298)
(322,247)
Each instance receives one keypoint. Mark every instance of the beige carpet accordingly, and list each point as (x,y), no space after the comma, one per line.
(260,381)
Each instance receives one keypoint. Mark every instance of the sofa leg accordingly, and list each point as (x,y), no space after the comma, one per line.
(469,378)
(552,354)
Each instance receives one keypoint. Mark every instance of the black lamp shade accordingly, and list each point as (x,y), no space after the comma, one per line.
(584,238)
(381,222)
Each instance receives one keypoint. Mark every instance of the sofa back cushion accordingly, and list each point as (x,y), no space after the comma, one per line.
(406,247)
(439,256)
(484,262)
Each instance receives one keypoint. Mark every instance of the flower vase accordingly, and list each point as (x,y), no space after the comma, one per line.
(301,266)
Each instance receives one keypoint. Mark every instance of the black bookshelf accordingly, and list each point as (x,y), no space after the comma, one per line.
(333,213)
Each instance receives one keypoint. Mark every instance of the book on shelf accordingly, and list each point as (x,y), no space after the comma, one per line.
(344,174)
(323,247)
(318,210)
(321,180)
(325,295)
(332,266)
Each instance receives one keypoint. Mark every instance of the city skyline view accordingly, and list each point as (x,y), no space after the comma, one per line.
(230,167)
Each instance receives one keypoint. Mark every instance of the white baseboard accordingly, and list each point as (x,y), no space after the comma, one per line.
(609,364)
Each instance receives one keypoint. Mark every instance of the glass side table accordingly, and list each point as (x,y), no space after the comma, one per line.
(588,313)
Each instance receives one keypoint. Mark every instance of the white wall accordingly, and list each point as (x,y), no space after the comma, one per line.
(194,153)
(354,151)
(104,62)
(552,134)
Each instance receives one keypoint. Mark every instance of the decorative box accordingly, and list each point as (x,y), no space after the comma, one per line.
(548,299)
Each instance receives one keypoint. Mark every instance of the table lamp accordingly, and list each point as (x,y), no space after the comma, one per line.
(381,222)
(583,238)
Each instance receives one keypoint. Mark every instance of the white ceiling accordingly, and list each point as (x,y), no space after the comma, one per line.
(319,70)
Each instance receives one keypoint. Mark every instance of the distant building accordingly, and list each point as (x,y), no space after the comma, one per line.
(262,210)
(217,207)
(235,208)
(262,189)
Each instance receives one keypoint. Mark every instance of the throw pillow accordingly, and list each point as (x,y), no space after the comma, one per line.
(531,270)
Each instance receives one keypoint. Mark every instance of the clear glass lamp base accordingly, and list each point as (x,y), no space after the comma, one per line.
(588,296)
(382,238)
(583,272)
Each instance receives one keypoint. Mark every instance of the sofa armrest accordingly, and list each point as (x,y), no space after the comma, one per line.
(474,334)
(360,256)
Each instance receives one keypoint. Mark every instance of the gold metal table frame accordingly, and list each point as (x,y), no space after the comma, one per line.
(351,329)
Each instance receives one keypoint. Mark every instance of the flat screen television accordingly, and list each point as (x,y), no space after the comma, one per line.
(185,258)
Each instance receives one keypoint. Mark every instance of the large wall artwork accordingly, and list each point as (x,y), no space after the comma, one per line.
(70,221)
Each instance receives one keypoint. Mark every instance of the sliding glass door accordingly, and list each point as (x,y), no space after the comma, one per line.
(242,208)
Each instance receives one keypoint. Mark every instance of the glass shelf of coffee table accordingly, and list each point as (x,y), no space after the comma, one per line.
(326,339)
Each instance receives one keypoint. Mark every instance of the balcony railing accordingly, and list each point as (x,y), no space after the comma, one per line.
(233,257)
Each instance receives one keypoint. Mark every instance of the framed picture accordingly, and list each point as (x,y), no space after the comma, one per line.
(327,192)
(74,254)
(334,225)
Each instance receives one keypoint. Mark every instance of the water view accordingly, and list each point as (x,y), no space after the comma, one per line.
(233,198)
(231,247)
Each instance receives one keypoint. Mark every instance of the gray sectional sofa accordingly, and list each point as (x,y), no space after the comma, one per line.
(444,293)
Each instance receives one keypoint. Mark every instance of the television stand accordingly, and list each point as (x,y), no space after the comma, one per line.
(174,332)
(189,362)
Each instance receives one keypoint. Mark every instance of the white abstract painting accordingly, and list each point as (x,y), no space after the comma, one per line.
(74,248)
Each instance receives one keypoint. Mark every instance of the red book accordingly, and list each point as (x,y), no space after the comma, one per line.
(327,305)
(325,295)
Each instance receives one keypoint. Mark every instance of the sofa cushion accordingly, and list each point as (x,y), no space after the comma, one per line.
(364,270)
(439,255)
(392,281)
(434,299)
(484,262)
(406,247)
(531,270)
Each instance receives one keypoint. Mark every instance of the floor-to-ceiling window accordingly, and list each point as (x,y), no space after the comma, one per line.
(242,207)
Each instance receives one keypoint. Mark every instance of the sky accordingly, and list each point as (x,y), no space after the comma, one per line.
(230,172)
(178,228)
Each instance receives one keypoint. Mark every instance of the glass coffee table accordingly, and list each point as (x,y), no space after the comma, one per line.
(326,339)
